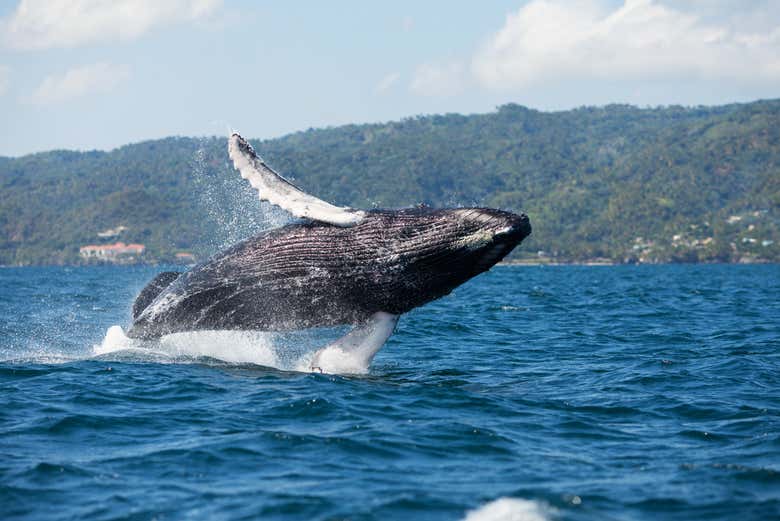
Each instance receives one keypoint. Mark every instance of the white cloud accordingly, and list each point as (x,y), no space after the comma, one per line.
(431,79)
(387,82)
(555,40)
(5,72)
(43,24)
(79,81)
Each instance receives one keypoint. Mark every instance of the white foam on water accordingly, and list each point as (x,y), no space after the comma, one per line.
(37,355)
(238,347)
(115,340)
(229,346)
(275,350)
(511,509)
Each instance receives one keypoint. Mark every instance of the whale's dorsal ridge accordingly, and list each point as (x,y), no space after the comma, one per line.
(277,190)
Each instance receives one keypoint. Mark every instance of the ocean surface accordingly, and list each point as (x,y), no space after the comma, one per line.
(530,393)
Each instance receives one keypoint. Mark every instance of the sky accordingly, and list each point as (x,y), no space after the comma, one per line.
(98,74)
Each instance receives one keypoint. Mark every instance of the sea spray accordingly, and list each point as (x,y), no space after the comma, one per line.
(512,509)
(291,351)
(230,207)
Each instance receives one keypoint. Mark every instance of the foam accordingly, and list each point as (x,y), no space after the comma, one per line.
(288,352)
(511,509)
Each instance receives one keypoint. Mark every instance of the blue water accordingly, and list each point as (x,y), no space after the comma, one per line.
(646,392)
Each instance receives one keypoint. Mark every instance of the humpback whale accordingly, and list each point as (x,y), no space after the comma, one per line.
(334,266)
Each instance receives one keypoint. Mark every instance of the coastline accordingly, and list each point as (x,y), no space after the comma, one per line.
(513,262)
(609,262)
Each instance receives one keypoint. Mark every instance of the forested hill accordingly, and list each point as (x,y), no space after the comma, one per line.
(618,182)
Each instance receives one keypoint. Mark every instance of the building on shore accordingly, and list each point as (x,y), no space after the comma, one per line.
(118,252)
(112,232)
(185,257)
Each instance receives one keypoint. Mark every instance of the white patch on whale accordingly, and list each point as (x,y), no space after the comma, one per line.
(353,353)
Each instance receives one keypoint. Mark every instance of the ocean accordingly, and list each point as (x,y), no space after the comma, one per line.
(530,393)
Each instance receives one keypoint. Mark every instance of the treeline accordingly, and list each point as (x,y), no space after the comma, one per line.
(616,182)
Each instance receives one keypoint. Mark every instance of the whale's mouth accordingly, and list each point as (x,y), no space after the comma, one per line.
(504,240)
(492,255)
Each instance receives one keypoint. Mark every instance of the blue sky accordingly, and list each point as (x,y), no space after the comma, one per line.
(87,74)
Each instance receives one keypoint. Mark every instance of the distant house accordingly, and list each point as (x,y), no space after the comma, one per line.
(185,257)
(112,232)
(117,252)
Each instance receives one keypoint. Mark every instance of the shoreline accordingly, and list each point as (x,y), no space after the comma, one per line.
(600,262)
(521,263)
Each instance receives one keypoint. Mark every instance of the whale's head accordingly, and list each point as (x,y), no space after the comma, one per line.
(484,236)
(439,249)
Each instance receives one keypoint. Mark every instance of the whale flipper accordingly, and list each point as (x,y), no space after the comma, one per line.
(353,352)
(277,190)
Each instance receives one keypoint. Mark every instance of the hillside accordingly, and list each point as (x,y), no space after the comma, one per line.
(618,182)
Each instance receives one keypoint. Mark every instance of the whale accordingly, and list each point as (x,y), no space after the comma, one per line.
(334,266)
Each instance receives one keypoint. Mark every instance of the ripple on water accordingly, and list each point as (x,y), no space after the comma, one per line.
(559,392)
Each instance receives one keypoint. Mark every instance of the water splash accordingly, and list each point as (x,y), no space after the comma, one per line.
(511,509)
(227,202)
(285,351)
(232,213)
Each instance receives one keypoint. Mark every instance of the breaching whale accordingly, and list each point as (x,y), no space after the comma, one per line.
(336,266)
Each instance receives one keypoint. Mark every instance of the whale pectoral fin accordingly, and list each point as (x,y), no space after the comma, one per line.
(353,352)
(277,190)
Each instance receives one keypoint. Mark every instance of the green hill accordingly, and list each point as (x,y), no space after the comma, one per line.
(617,182)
